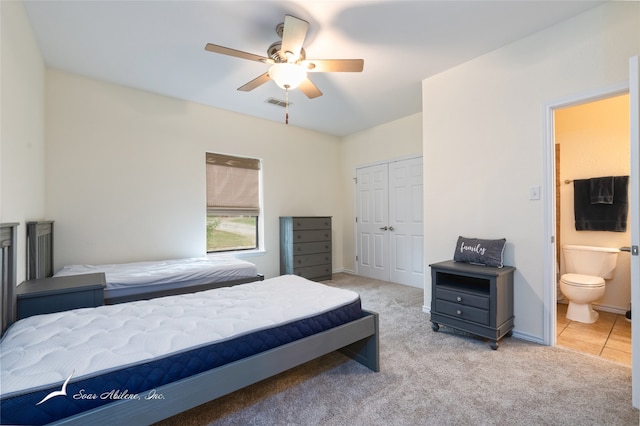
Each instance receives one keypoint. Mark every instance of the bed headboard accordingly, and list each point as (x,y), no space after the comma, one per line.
(8,250)
(39,249)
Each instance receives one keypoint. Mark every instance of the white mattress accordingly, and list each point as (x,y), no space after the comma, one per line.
(44,349)
(158,275)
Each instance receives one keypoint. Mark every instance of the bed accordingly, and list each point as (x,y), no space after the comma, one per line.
(8,260)
(143,361)
(127,282)
(141,280)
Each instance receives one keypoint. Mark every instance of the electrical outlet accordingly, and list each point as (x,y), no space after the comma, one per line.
(534,192)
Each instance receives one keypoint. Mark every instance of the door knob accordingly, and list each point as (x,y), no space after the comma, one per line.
(384,229)
(391,228)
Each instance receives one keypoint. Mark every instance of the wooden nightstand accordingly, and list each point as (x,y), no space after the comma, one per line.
(55,294)
(473,298)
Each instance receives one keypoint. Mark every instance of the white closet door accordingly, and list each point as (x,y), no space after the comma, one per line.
(406,219)
(389,227)
(372,199)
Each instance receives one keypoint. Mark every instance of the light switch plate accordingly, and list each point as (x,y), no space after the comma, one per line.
(534,192)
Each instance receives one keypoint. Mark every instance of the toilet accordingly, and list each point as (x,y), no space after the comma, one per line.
(587,268)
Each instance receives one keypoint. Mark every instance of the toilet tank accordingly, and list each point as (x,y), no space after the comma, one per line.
(590,260)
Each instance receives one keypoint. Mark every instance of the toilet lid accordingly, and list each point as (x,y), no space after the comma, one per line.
(585,280)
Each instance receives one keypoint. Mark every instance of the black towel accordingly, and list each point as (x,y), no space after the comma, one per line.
(601,217)
(602,190)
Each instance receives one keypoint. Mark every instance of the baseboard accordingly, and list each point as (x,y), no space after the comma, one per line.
(604,308)
(528,337)
(612,309)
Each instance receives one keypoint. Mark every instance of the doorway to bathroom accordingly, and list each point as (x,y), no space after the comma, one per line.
(591,139)
(551,269)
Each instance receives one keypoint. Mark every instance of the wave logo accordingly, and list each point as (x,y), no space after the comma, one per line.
(61,392)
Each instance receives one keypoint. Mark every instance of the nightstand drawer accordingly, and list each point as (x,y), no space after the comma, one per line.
(462,297)
(469,313)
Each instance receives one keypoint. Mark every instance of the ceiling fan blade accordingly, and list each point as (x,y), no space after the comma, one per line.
(235,53)
(255,82)
(333,65)
(309,89)
(293,34)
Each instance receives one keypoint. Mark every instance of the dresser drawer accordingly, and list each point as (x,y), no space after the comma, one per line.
(462,297)
(311,260)
(480,316)
(309,236)
(318,272)
(311,248)
(303,223)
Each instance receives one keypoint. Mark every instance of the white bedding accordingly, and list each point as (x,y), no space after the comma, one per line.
(198,270)
(44,349)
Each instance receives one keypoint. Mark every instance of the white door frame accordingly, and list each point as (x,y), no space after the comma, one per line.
(549,179)
(634,185)
(549,210)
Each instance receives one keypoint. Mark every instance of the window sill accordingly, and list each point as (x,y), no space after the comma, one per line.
(241,254)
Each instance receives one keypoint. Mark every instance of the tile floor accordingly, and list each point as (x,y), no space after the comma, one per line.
(609,337)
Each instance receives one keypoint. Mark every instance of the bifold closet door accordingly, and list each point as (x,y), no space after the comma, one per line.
(406,218)
(389,227)
(372,221)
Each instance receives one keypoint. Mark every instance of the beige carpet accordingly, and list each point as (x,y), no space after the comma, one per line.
(429,378)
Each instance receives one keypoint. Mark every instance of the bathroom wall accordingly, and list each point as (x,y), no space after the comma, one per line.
(594,141)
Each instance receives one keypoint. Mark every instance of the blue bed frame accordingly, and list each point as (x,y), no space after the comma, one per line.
(357,339)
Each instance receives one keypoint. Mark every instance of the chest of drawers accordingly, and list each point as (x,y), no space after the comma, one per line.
(473,298)
(305,246)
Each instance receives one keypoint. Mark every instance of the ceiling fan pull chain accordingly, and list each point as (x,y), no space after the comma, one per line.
(286,120)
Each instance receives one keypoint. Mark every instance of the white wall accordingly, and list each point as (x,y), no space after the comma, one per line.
(126,173)
(483,125)
(397,139)
(22,152)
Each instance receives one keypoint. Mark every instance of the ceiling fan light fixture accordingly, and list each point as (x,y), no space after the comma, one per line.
(287,75)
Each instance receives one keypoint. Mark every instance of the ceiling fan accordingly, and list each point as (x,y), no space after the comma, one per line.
(287,57)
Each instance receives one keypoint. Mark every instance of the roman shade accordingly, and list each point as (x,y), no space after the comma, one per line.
(232,185)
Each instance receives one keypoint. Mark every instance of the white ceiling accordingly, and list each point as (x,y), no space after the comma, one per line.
(158,46)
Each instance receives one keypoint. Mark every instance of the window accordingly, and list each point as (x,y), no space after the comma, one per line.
(233,202)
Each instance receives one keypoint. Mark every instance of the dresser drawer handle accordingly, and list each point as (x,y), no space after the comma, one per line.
(459,299)
(459,312)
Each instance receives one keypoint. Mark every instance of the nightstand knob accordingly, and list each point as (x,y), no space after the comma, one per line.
(459,312)
(459,299)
